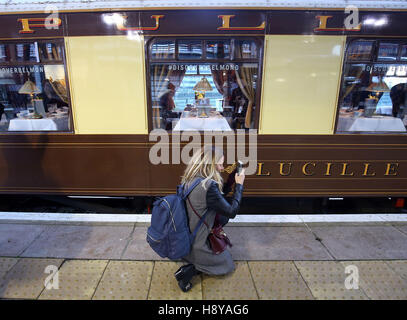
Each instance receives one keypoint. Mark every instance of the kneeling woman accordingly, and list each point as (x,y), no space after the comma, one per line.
(208,196)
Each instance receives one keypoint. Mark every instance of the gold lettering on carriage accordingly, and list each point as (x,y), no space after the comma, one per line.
(120,24)
(28,23)
(341,169)
(226,24)
(323,22)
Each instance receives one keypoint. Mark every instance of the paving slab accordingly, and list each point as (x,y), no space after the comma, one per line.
(237,285)
(83,242)
(26,279)
(278,280)
(14,238)
(360,243)
(402,229)
(164,286)
(125,280)
(275,243)
(326,280)
(379,281)
(78,280)
(5,265)
(399,266)
(138,248)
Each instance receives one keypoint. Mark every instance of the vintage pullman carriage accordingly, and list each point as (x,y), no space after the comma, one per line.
(81,89)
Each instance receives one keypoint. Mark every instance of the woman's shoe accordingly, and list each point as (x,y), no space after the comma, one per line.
(180,273)
(184,276)
(185,286)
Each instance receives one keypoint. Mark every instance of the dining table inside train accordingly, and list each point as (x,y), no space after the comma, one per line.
(202,119)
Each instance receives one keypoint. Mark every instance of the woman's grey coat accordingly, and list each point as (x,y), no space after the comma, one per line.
(210,199)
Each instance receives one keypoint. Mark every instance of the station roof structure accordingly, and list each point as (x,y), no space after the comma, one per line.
(65,5)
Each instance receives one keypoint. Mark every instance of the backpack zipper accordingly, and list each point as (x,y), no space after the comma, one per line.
(153,238)
(169,207)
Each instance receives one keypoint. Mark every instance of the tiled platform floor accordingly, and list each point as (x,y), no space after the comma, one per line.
(25,278)
(115,262)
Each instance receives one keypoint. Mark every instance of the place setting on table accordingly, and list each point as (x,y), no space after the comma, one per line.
(368,120)
(201,118)
(39,120)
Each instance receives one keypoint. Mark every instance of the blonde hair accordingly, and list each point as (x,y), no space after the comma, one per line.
(203,163)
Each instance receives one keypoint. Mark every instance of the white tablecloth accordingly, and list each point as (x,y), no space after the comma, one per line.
(211,123)
(54,124)
(384,110)
(382,124)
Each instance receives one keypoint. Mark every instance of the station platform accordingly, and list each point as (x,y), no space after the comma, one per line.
(274,260)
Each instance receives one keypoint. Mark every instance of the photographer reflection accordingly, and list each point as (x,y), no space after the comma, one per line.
(167,104)
(239,103)
(399,100)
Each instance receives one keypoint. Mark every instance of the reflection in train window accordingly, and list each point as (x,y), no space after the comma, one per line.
(33,89)
(163,49)
(360,50)
(218,49)
(189,49)
(211,90)
(373,95)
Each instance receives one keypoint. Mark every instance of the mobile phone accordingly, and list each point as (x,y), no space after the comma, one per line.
(239,167)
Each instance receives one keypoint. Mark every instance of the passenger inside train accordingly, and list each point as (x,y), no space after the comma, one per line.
(211,84)
(374,87)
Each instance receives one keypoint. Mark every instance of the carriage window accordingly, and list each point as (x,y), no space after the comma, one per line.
(33,90)
(403,56)
(4,53)
(246,49)
(163,49)
(388,51)
(214,91)
(373,96)
(218,49)
(189,49)
(360,50)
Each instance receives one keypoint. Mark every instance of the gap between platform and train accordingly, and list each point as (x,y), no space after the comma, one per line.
(240,220)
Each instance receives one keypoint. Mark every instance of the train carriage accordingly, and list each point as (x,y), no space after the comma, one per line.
(83,88)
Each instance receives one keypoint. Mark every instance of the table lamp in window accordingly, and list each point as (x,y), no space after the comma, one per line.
(200,88)
(378,86)
(376,89)
(30,88)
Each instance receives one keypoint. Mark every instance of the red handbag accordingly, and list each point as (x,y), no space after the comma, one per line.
(218,239)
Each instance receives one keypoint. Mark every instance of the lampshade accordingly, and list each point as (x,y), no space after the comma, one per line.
(378,87)
(203,85)
(29,87)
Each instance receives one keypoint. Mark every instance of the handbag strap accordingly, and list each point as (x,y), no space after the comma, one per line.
(201,219)
(193,209)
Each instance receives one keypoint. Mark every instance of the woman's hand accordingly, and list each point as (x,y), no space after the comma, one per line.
(240,178)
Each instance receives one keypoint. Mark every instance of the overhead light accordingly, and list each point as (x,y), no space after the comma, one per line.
(375,22)
(369,21)
(380,22)
(114,18)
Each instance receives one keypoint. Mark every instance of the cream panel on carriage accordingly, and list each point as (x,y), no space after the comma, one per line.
(107,81)
(301,78)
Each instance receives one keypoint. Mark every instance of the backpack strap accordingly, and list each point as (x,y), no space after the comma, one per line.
(196,182)
(201,220)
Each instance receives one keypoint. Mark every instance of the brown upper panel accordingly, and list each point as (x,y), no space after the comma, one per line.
(213,22)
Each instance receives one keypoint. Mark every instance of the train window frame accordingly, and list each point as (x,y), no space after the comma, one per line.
(371,63)
(59,42)
(149,40)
